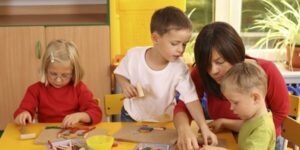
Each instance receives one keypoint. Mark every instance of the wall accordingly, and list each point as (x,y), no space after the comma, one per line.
(49,2)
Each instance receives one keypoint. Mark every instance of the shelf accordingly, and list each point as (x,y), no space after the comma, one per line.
(53,15)
(86,19)
(290,77)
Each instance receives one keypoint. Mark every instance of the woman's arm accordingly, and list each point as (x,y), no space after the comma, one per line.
(277,98)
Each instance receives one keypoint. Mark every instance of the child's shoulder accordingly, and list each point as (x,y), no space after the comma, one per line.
(137,50)
(37,86)
(180,65)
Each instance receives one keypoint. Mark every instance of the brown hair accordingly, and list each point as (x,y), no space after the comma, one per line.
(169,18)
(221,37)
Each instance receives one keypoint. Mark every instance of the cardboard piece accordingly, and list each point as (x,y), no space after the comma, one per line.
(131,133)
(153,146)
(51,134)
(221,142)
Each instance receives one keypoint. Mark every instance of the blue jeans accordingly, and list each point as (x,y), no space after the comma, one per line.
(279,143)
(125,117)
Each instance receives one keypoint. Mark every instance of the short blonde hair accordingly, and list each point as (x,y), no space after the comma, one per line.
(62,51)
(245,76)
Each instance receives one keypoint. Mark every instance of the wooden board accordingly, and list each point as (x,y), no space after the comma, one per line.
(221,142)
(51,134)
(131,133)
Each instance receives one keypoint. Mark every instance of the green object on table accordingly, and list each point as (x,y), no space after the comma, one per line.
(1,132)
(53,127)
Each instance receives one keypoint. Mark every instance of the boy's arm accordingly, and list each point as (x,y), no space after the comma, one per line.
(186,138)
(196,111)
(127,88)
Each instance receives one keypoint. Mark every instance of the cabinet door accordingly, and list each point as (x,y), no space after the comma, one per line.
(20,66)
(94,53)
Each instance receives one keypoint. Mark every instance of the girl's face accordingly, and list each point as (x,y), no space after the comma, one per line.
(219,66)
(59,74)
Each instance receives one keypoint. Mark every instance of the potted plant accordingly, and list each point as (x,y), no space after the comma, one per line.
(282,25)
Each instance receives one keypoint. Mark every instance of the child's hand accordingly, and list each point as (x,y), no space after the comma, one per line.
(186,139)
(207,134)
(23,118)
(75,118)
(129,90)
(216,125)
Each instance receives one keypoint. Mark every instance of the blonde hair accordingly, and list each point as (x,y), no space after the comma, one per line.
(245,76)
(62,51)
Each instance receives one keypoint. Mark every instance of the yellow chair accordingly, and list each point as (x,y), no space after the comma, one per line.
(295,107)
(112,105)
(291,131)
(288,131)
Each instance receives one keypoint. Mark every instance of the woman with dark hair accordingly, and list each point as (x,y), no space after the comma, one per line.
(218,47)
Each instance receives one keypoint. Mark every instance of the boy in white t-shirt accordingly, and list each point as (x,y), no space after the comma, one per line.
(161,73)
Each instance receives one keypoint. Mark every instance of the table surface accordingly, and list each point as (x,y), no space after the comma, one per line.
(11,136)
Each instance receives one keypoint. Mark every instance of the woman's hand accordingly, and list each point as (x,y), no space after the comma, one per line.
(187,139)
(216,125)
(23,118)
(75,118)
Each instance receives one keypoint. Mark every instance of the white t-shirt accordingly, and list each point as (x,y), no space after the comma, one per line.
(159,87)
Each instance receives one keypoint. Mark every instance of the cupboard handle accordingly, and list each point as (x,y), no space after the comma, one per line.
(38,50)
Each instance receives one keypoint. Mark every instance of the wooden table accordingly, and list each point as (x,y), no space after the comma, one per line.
(10,138)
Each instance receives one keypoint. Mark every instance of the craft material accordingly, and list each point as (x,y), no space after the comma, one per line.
(25,135)
(131,133)
(51,133)
(74,132)
(145,129)
(74,144)
(140,90)
(153,146)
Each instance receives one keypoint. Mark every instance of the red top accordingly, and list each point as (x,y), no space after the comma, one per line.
(53,104)
(277,98)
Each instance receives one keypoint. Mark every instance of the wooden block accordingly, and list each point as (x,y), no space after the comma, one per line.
(27,136)
(140,90)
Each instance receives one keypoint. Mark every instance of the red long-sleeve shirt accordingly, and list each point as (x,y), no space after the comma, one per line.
(277,99)
(53,104)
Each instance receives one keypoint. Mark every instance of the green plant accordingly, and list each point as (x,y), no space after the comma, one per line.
(282,24)
(188,55)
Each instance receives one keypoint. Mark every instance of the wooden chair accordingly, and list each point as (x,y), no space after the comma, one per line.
(288,131)
(295,106)
(291,131)
(112,105)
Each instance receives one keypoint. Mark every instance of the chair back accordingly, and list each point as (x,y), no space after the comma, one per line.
(291,127)
(295,106)
(291,130)
(113,104)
